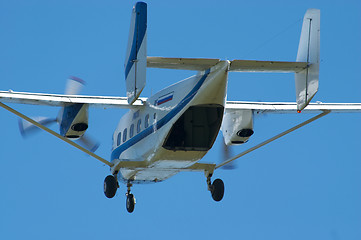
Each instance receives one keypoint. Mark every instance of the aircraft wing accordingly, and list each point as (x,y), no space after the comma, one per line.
(61,100)
(238,117)
(287,107)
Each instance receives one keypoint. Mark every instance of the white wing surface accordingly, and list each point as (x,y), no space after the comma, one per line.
(61,100)
(287,107)
(238,127)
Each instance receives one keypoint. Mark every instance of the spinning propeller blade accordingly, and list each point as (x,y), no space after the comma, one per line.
(27,128)
(227,152)
(88,143)
(74,85)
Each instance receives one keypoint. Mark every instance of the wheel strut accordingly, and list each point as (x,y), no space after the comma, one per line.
(216,188)
(129,185)
(209,182)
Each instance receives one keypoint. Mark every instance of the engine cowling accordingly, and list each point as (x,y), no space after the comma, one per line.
(74,121)
(237,126)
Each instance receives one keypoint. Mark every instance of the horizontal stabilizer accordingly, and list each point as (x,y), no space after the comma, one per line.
(197,64)
(266,66)
(201,64)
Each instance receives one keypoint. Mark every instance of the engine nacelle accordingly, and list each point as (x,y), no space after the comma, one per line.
(74,120)
(237,126)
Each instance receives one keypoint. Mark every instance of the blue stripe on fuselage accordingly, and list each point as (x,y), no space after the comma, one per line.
(116,152)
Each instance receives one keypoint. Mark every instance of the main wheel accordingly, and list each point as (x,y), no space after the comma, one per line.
(110,186)
(217,190)
(130,203)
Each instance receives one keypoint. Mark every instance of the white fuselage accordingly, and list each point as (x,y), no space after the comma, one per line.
(151,132)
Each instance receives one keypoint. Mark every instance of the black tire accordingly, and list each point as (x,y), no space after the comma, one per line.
(130,203)
(217,190)
(110,186)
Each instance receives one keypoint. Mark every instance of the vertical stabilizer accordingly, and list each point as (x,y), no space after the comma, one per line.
(136,58)
(308,51)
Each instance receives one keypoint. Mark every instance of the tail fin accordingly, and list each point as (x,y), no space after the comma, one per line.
(308,51)
(136,58)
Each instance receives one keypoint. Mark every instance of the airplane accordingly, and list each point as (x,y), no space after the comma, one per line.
(172,130)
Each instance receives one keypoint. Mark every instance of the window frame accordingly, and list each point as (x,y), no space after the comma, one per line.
(139,125)
(131,130)
(146,121)
(125,135)
(119,138)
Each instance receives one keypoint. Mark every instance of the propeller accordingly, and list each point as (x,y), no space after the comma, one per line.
(227,153)
(27,128)
(73,87)
(88,142)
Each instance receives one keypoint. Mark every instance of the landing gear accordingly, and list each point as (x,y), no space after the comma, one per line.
(110,186)
(130,203)
(216,188)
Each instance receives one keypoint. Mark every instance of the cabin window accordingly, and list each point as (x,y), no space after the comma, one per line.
(146,122)
(131,131)
(125,135)
(139,123)
(119,138)
(155,116)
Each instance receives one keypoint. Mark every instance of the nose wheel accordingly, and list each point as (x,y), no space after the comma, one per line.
(216,188)
(130,202)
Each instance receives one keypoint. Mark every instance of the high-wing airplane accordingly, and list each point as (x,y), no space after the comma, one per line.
(172,130)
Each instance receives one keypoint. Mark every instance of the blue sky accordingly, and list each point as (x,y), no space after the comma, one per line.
(306,185)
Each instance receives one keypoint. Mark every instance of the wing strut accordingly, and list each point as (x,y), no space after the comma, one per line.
(324,113)
(55,134)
